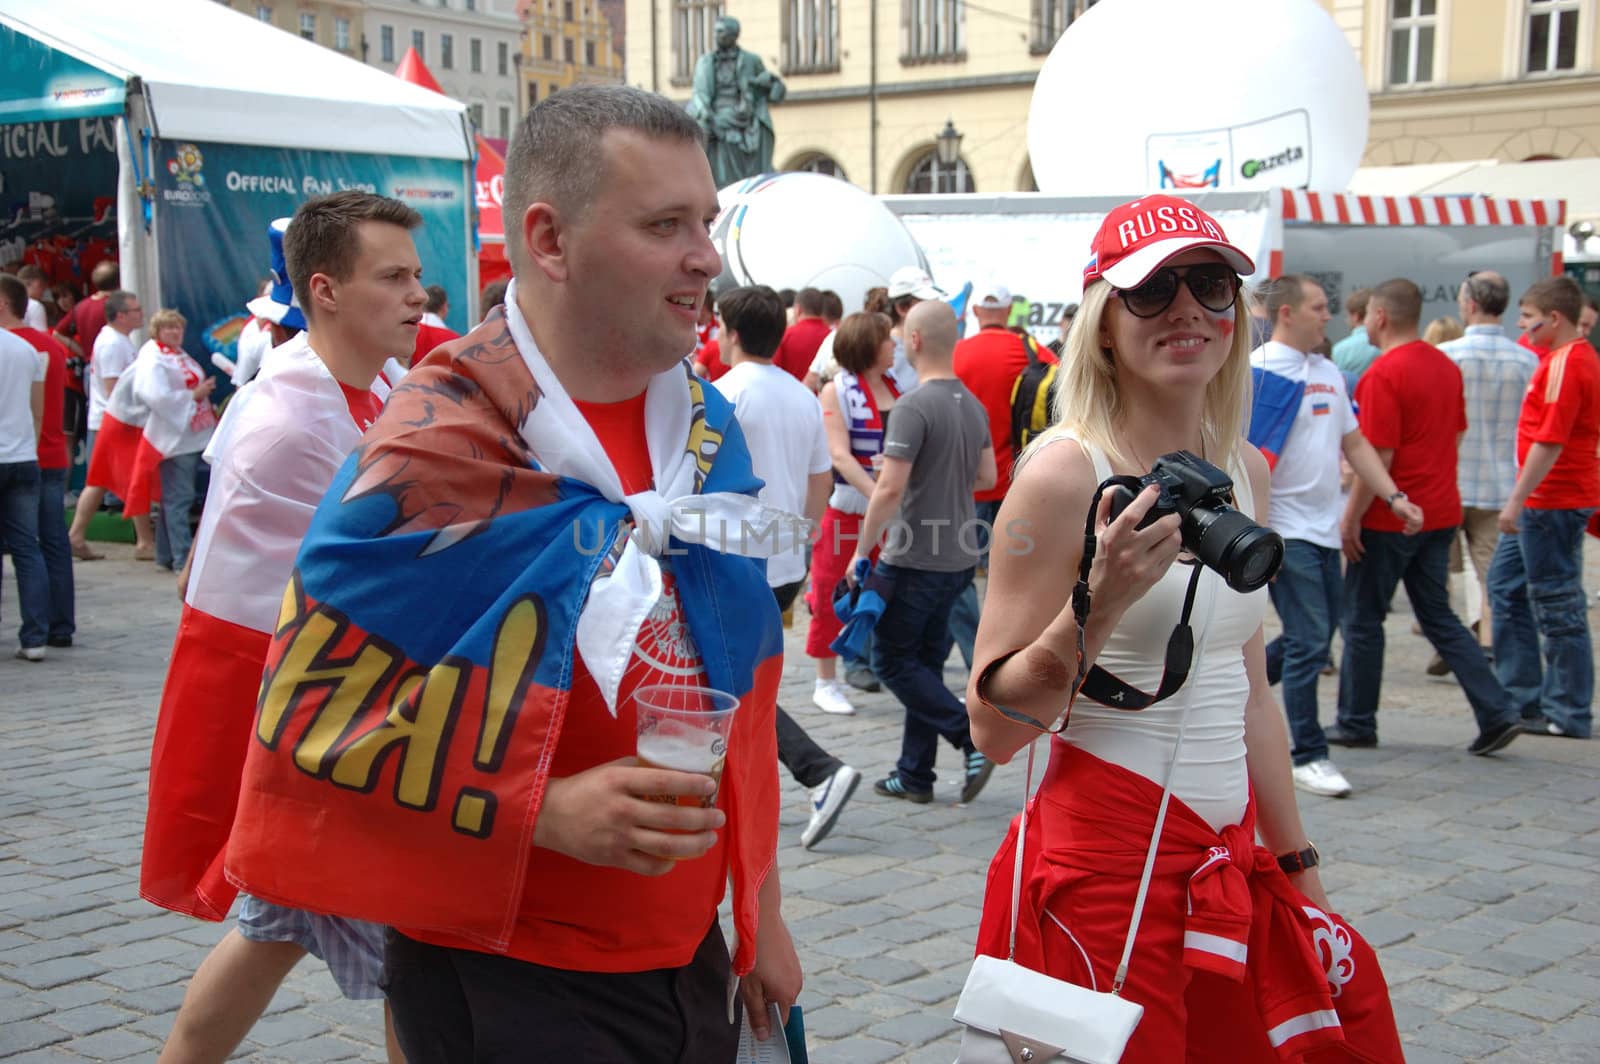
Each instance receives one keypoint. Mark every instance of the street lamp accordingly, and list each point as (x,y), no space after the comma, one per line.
(947,146)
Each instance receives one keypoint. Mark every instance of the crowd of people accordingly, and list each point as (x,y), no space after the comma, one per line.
(418,762)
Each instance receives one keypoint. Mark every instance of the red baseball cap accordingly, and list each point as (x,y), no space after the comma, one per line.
(1136,238)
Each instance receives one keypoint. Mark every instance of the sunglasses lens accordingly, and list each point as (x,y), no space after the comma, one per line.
(1213,286)
(1154,296)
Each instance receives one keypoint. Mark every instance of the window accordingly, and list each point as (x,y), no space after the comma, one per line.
(1552,35)
(547,47)
(810,36)
(447,51)
(505,123)
(263,13)
(932,30)
(820,164)
(554,88)
(477,114)
(502,58)
(693,34)
(1412,27)
(472,5)
(533,95)
(341,34)
(419,41)
(386,43)
(566,49)
(588,53)
(475,56)
(1050,20)
(566,11)
(930,175)
(308,27)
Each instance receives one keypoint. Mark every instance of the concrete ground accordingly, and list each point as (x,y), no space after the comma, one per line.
(1474,877)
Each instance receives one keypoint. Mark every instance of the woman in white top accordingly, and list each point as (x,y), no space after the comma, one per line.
(178,393)
(1157,361)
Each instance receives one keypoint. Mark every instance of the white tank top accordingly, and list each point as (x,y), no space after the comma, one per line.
(1210,775)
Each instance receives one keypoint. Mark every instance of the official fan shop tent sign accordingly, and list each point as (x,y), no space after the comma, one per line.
(205,124)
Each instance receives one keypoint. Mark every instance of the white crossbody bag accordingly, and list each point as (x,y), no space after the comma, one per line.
(1015,1015)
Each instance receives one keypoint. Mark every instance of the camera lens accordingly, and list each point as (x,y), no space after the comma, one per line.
(1246,554)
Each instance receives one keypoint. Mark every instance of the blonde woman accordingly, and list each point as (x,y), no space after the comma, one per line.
(1225,962)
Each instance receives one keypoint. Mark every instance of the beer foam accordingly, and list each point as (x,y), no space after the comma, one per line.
(698,751)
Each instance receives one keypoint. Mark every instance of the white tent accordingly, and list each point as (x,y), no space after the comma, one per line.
(209,73)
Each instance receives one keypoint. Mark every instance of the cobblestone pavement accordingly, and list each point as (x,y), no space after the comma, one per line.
(1475,878)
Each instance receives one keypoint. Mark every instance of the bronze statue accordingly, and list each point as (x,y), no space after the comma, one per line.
(731,91)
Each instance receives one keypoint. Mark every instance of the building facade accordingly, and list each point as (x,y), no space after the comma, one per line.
(471,47)
(873,82)
(335,24)
(566,43)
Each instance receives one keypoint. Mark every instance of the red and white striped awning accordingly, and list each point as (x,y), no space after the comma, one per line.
(1342,208)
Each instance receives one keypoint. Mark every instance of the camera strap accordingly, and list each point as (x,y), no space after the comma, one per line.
(1105,687)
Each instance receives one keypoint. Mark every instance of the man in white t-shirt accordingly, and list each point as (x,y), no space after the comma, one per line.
(22,372)
(1306,507)
(33,279)
(782,425)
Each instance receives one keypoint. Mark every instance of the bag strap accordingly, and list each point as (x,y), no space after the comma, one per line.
(1121,976)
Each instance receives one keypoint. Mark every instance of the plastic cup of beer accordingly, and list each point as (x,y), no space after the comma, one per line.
(685,729)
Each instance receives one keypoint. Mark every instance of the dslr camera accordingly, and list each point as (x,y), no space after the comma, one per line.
(1246,554)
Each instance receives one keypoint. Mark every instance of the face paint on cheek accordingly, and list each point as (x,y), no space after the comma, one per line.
(1225,325)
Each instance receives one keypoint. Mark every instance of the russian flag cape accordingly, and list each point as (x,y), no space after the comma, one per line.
(420,675)
(1272,413)
(282,439)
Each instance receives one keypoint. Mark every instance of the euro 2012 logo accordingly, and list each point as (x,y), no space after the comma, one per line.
(185,168)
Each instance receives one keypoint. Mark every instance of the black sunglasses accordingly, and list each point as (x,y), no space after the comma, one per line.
(1214,286)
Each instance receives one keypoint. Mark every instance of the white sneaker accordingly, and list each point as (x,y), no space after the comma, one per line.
(827,800)
(829,696)
(30,653)
(1320,777)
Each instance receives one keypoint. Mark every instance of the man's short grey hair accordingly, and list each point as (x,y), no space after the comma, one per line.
(555,157)
(1490,291)
(118,302)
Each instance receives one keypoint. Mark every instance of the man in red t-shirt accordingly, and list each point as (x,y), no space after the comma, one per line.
(1413,410)
(801,340)
(54,460)
(1536,579)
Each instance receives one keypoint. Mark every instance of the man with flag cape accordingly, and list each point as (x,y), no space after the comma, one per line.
(551,512)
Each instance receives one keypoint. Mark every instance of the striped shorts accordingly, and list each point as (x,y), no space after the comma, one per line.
(352,949)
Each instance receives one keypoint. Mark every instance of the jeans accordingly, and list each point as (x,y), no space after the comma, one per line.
(912,641)
(1421,563)
(1307,594)
(57,551)
(173,532)
(808,763)
(964,618)
(19,529)
(1536,597)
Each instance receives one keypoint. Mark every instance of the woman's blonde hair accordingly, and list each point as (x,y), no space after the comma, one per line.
(164,317)
(1443,330)
(1088,404)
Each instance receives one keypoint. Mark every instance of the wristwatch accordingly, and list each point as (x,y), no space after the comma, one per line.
(1394,498)
(1300,860)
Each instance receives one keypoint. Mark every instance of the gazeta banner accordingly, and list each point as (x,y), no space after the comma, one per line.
(213,203)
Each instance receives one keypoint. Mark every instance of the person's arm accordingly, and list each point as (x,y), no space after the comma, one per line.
(988,473)
(1374,473)
(1028,625)
(1355,507)
(818,487)
(1535,467)
(839,442)
(881,508)
(36,407)
(1266,737)
(776,977)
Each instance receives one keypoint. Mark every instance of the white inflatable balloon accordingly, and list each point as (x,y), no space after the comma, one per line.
(1139,95)
(794,230)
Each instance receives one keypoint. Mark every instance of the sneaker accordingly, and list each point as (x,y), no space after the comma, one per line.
(1320,777)
(829,696)
(1539,724)
(827,800)
(978,771)
(1339,736)
(59,641)
(30,653)
(862,678)
(891,786)
(1496,738)
(1437,666)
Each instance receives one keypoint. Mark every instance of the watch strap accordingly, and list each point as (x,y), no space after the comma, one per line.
(1299,860)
